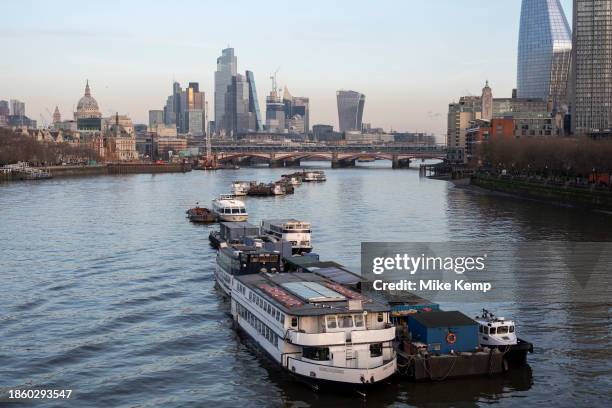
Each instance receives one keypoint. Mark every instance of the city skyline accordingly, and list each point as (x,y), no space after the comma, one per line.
(133,66)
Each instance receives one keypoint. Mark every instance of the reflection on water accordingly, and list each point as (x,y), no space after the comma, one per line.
(108,290)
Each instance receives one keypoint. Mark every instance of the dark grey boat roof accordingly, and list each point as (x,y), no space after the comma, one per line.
(274,288)
(443,319)
(238,225)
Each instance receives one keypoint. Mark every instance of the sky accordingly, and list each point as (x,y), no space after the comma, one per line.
(411,58)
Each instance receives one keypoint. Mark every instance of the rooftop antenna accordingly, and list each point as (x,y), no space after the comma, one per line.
(273,78)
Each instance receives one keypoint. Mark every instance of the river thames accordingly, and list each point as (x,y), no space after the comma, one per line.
(108,290)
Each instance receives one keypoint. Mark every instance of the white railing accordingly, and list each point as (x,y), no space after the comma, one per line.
(316,339)
(373,336)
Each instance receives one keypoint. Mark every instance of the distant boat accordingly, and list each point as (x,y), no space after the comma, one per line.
(228,208)
(201,215)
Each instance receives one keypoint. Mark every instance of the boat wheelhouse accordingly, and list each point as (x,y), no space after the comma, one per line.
(314,176)
(297,232)
(317,329)
(495,331)
(241,188)
(238,259)
(228,208)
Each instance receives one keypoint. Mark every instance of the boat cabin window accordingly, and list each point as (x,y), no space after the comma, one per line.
(345,321)
(358,321)
(380,318)
(376,350)
(492,330)
(331,322)
(502,330)
(316,353)
(235,211)
(294,322)
(481,329)
(511,329)
(243,211)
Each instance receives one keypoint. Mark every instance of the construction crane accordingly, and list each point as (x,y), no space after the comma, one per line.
(274,84)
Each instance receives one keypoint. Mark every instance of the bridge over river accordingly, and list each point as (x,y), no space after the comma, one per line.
(342,156)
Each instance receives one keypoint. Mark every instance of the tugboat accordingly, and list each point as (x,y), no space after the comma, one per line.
(201,215)
(496,332)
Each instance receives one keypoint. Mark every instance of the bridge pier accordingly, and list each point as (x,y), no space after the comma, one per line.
(341,164)
(292,163)
(398,163)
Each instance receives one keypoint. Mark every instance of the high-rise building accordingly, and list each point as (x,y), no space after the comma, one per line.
(169,114)
(350,110)
(156,117)
(544,52)
(275,110)
(5,110)
(238,116)
(460,115)
(254,102)
(592,67)
(17,108)
(297,115)
(227,67)
(487,102)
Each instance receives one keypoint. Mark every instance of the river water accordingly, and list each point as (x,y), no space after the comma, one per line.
(108,290)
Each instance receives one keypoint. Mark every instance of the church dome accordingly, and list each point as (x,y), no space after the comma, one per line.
(87,106)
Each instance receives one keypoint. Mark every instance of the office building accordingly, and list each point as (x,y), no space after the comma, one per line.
(275,111)
(544,52)
(17,108)
(297,113)
(350,110)
(227,67)
(254,102)
(592,68)
(156,117)
(238,101)
(460,115)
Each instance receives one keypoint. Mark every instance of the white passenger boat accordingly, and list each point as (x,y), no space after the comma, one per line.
(495,331)
(313,176)
(318,330)
(293,180)
(228,208)
(297,232)
(237,259)
(241,188)
(278,189)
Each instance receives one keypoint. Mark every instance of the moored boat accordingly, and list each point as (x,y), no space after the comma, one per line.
(314,176)
(227,208)
(241,188)
(239,259)
(297,232)
(201,215)
(319,331)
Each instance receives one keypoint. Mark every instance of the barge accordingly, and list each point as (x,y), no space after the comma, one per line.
(234,260)
(201,215)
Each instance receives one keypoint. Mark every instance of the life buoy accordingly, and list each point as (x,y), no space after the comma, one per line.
(451,338)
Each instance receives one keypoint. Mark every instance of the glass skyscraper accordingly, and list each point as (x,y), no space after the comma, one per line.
(253,101)
(592,67)
(544,52)
(350,110)
(227,67)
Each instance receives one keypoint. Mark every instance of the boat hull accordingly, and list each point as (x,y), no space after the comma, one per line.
(233,217)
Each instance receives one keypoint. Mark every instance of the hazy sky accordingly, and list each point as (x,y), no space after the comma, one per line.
(409,57)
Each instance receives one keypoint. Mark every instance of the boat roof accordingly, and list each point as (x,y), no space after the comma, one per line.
(443,319)
(279,221)
(308,294)
(230,201)
(247,249)
(239,225)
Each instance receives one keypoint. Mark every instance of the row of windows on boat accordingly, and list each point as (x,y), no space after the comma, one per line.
(265,306)
(323,353)
(258,325)
(275,230)
(231,210)
(497,330)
